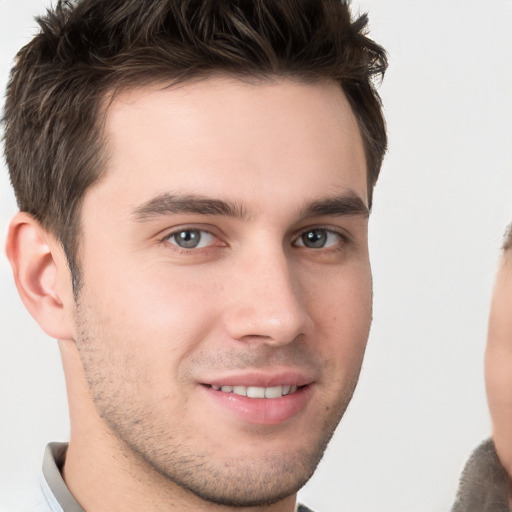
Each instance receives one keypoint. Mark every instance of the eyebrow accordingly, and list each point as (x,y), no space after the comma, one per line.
(344,205)
(168,204)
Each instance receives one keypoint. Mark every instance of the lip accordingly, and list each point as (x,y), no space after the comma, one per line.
(262,380)
(261,411)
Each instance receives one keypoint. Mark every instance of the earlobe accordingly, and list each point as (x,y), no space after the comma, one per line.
(41,275)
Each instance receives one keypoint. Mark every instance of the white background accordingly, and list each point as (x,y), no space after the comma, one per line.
(441,206)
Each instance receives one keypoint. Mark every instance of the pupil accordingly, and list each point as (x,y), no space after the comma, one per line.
(315,238)
(188,239)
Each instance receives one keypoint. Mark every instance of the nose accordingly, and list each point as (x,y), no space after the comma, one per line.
(267,303)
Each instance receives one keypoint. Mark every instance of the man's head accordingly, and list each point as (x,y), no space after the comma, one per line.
(88,51)
(207,171)
(498,357)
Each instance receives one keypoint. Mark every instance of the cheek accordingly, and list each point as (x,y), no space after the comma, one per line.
(342,309)
(344,294)
(498,377)
(160,294)
(156,316)
(498,370)
(498,356)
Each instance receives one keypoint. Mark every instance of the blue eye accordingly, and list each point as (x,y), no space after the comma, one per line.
(191,238)
(318,238)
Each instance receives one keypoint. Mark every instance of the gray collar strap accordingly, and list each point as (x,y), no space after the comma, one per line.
(53,461)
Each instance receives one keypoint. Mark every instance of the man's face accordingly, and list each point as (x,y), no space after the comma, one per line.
(224,254)
(498,362)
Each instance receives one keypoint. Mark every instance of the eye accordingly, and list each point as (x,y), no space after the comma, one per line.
(318,238)
(191,238)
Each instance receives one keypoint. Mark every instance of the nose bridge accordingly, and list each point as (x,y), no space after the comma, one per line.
(267,299)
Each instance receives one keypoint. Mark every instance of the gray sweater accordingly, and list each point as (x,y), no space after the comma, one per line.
(484,484)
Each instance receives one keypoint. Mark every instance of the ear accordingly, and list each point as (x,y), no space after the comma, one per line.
(42,275)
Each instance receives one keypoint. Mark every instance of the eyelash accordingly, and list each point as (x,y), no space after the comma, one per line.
(298,241)
(167,240)
(324,231)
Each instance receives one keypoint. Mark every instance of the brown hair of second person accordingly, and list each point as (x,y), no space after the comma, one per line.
(507,244)
(89,50)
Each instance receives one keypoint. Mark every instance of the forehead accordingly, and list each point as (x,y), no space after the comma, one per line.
(223,135)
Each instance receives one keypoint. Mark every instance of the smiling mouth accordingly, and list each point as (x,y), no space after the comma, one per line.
(258,392)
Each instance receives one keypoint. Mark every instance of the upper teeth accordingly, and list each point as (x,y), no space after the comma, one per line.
(257,392)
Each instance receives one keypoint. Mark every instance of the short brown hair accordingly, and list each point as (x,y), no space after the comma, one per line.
(87,49)
(507,239)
